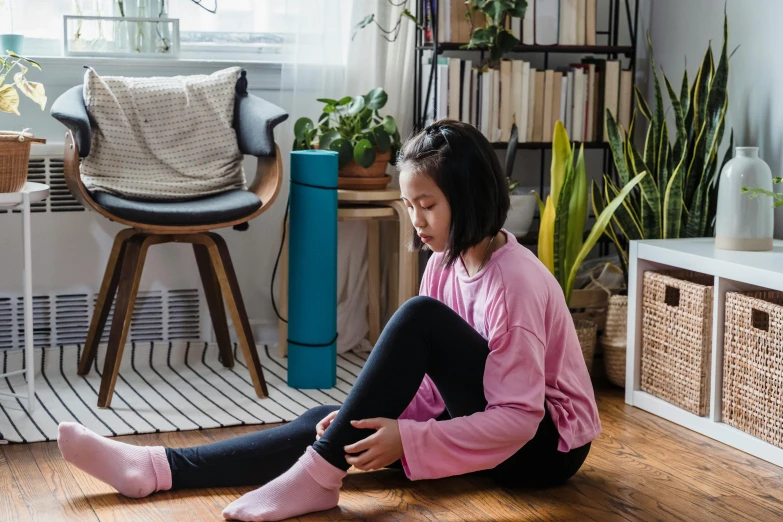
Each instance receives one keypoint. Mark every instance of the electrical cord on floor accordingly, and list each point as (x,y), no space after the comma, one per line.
(277,261)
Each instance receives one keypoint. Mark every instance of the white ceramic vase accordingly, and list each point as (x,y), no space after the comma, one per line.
(520,214)
(742,222)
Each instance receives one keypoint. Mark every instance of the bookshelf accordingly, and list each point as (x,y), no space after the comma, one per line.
(607,37)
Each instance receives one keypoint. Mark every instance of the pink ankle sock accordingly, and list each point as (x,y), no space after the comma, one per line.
(134,471)
(312,484)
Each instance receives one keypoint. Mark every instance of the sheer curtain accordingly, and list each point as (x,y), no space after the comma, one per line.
(327,62)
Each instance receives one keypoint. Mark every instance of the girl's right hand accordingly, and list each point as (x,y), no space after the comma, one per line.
(320,428)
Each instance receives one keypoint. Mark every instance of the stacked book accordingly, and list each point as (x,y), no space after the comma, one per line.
(516,93)
(546,22)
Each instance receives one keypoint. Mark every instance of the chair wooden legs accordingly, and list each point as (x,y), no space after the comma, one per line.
(111,279)
(122,277)
(215,303)
(224,268)
(130,275)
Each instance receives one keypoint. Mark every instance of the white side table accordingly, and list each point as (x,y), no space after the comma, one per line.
(30,193)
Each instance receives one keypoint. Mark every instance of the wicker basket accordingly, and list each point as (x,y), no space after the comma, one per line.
(677,338)
(614,359)
(617,317)
(614,340)
(586,332)
(753,364)
(14,157)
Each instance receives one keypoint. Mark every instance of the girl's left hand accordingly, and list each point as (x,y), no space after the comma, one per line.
(380,449)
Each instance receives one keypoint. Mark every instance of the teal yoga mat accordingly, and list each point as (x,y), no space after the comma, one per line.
(312,270)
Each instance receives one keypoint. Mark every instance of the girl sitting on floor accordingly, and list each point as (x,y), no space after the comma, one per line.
(482,373)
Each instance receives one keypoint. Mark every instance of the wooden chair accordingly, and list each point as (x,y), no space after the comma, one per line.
(153,223)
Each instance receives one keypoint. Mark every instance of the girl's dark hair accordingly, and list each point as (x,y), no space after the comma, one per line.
(465,167)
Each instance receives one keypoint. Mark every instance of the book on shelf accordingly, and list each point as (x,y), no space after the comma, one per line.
(516,93)
(546,22)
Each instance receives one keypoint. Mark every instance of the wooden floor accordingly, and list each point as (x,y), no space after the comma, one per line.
(641,468)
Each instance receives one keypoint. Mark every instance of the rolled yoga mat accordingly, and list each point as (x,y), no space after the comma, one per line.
(312,270)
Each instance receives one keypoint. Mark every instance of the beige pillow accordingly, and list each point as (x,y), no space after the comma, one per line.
(162,138)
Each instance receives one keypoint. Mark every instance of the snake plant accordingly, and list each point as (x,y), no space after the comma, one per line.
(679,198)
(561,243)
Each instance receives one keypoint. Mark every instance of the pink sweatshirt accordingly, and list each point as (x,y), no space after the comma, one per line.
(534,359)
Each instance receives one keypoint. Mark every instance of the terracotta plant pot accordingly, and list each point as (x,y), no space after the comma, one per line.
(376,170)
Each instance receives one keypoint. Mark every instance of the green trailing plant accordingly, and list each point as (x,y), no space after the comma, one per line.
(353,127)
(492,36)
(777,197)
(561,244)
(679,197)
(9,97)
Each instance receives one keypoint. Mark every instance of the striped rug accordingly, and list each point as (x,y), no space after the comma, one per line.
(161,387)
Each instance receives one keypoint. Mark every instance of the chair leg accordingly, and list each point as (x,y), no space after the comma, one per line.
(132,266)
(111,278)
(215,303)
(221,261)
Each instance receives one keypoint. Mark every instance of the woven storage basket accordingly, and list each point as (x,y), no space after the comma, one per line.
(14,157)
(586,332)
(614,359)
(753,364)
(677,338)
(614,340)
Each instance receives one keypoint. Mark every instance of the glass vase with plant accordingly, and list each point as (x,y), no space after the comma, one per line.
(9,97)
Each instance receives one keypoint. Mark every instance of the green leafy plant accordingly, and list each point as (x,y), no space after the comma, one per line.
(353,127)
(679,197)
(561,244)
(777,197)
(9,97)
(493,36)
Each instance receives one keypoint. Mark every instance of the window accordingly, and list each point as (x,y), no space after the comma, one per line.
(261,30)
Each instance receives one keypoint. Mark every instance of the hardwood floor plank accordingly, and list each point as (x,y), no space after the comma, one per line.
(39,498)
(61,483)
(12,502)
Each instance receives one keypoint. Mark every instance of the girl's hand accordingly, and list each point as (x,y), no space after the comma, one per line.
(379,449)
(320,428)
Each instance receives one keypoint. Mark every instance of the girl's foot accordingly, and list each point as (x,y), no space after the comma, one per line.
(312,484)
(134,471)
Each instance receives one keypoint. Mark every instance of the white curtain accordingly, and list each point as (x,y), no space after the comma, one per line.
(327,63)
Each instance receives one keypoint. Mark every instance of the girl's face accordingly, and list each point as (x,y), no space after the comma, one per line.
(428,209)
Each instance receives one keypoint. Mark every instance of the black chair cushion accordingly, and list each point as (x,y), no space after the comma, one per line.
(209,210)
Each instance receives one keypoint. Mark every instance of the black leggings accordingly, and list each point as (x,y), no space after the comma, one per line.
(423,337)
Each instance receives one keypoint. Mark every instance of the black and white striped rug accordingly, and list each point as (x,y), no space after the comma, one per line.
(161,387)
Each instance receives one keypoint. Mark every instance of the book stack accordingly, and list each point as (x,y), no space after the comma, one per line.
(546,22)
(516,93)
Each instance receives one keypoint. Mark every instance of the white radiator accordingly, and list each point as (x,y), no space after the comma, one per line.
(70,247)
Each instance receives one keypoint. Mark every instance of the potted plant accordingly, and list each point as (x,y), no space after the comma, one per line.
(365,141)
(9,41)
(561,243)
(15,146)
(678,198)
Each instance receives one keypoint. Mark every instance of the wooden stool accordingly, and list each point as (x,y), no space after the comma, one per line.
(373,207)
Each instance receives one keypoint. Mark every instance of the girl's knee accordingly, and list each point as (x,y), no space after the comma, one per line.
(421,306)
(319,412)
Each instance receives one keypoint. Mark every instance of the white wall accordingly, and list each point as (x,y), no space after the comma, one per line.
(680,32)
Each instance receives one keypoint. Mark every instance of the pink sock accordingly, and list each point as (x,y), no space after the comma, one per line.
(312,484)
(134,471)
